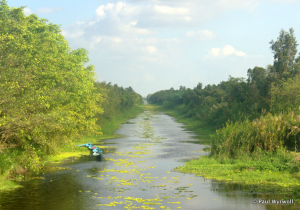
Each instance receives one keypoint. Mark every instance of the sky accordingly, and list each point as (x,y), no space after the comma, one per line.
(154,45)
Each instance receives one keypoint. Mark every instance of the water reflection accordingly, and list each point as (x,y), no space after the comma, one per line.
(99,158)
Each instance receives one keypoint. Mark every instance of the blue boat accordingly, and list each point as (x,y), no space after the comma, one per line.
(88,145)
(97,152)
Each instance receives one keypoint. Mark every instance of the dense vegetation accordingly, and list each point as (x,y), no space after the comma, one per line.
(48,95)
(253,114)
(116,100)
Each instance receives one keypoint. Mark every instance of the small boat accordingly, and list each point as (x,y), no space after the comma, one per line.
(88,145)
(97,152)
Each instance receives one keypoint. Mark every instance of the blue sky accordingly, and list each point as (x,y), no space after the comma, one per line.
(154,45)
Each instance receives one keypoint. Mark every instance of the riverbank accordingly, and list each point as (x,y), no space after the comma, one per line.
(264,170)
(7,181)
(108,129)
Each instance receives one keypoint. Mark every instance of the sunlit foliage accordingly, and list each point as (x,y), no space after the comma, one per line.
(48,93)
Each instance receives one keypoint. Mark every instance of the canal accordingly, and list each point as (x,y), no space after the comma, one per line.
(136,173)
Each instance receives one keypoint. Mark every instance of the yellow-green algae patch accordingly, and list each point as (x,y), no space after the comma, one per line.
(64,155)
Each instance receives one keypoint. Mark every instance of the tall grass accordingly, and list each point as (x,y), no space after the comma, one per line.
(267,133)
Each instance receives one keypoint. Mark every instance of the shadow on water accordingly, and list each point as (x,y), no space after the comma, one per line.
(59,189)
(137,173)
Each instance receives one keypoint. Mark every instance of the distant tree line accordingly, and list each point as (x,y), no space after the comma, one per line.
(266,91)
(116,100)
(237,98)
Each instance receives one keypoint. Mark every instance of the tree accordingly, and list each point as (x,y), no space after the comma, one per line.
(257,75)
(284,50)
(199,86)
(285,95)
(182,88)
(257,79)
(51,88)
(129,89)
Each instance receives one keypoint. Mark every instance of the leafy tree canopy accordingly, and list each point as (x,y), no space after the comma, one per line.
(47,94)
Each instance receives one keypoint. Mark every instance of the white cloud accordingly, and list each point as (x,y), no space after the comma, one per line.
(206,34)
(215,52)
(133,23)
(187,18)
(100,11)
(202,35)
(47,10)
(116,40)
(74,34)
(119,6)
(136,31)
(122,18)
(110,20)
(104,42)
(79,22)
(176,13)
(228,50)
(166,10)
(118,9)
(155,41)
(240,53)
(224,52)
(27,11)
(150,49)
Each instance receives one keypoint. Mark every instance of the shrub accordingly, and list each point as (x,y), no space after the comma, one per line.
(267,133)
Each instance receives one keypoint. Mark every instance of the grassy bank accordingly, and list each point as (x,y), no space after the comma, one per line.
(14,172)
(263,169)
(265,173)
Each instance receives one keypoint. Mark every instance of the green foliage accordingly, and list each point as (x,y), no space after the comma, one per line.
(284,50)
(52,91)
(215,104)
(115,100)
(262,168)
(268,133)
(285,95)
(48,95)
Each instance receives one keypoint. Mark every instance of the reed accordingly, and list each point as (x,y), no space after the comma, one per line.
(267,133)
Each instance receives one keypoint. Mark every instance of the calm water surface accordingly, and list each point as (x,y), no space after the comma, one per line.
(135,174)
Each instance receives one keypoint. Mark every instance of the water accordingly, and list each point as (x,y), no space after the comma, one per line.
(135,174)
